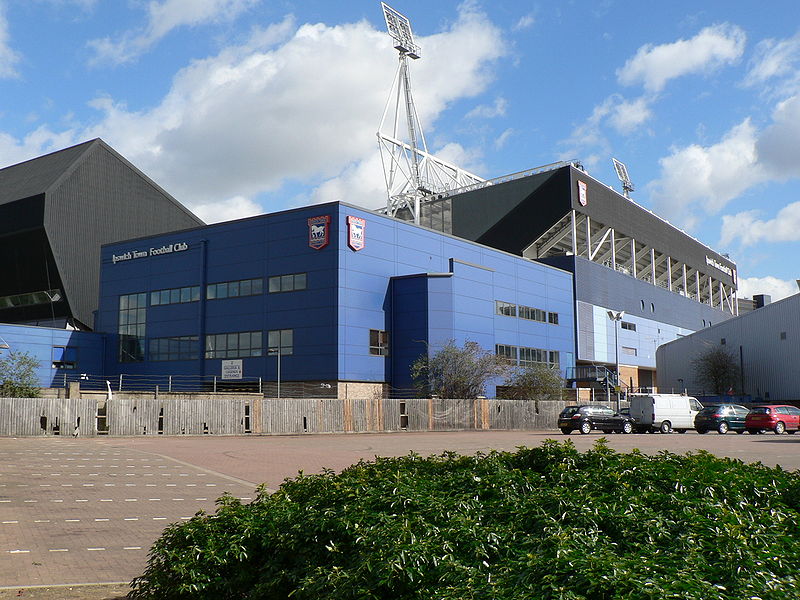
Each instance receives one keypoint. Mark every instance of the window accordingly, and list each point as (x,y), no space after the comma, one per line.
(529,356)
(532,314)
(282,339)
(378,342)
(507,353)
(287,283)
(175,295)
(234,289)
(505,308)
(628,350)
(132,321)
(783,335)
(65,357)
(234,345)
(552,318)
(628,326)
(175,348)
(723,341)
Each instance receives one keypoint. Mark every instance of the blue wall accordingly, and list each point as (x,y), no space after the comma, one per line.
(423,287)
(49,346)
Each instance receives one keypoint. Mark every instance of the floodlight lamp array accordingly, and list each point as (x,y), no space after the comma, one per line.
(399,28)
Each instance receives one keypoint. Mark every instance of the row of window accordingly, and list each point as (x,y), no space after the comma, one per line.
(242,344)
(235,289)
(529,313)
(527,356)
(175,295)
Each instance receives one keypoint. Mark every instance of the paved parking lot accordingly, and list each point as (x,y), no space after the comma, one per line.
(87,510)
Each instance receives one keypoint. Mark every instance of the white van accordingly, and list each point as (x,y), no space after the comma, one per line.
(664,412)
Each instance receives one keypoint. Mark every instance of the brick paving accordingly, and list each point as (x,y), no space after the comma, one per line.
(87,510)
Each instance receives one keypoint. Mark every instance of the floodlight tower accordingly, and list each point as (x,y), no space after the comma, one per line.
(622,175)
(411,172)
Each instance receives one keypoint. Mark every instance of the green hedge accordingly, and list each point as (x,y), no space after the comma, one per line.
(546,522)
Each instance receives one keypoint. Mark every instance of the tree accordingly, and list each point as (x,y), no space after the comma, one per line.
(18,376)
(717,369)
(535,381)
(455,372)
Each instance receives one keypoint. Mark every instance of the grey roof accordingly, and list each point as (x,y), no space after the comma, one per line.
(38,175)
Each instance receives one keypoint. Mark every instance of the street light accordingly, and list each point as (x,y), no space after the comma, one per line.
(277,352)
(4,344)
(616,317)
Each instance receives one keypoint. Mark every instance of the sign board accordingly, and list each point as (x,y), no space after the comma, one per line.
(356,229)
(319,232)
(582,193)
(134,253)
(232,369)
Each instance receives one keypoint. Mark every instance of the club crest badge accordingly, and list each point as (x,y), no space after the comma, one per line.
(319,232)
(582,193)
(356,227)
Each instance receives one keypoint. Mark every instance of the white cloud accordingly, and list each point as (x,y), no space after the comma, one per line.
(484,111)
(774,59)
(777,146)
(654,66)
(747,229)
(293,104)
(503,138)
(8,57)
(627,116)
(697,178)
(777,289)
(524,22)
(163,17)
(226,210)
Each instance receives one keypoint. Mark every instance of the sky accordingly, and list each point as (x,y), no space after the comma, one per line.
(241,107)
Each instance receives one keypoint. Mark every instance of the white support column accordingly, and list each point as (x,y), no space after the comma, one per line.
(683,276)
(653,266)
(669,273)
(588,237)
(633,257)
(697,284)
(613,250)
(574,234)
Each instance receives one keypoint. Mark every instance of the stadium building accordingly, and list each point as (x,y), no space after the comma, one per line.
(55,213)
(624,259)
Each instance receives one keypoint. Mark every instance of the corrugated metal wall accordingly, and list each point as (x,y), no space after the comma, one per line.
(235,416)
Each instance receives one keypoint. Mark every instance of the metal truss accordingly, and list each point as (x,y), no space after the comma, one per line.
(579,235)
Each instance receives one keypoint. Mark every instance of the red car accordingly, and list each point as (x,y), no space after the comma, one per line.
(777,417)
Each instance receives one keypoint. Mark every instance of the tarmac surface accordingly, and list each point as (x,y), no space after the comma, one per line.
(76,511)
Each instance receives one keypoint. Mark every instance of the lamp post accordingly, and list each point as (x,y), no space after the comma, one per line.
(616,317)
(277,352)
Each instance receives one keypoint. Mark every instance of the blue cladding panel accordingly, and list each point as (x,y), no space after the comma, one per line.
(349,293)
(44,345)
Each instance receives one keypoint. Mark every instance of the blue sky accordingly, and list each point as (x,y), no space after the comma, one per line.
(238,107)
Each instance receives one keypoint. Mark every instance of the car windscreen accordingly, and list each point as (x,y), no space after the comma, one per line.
(569,411)
(710,410)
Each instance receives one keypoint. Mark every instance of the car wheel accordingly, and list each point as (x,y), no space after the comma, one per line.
(627,427)
(723,428)
(702,431)
(666,427)
(566,431)
(779,428)
(586,427)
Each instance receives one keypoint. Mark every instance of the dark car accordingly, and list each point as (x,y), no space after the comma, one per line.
(777,417)
(586,418)
(722,418)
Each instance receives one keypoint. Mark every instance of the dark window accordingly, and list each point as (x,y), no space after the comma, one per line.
(65,357)
(552,318)
(628,326)
(281,339)
(132,327)
(783,335)
(234,345)
(506,352)
(505,308)
(287,283)
(234,289)
(175,348)
(722,341)
(175,295)
(378,342)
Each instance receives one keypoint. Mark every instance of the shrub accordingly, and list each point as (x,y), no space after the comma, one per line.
(547,522)
(454,372)
(18,376)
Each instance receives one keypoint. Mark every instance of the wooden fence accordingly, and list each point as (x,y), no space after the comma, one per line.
(190,415)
